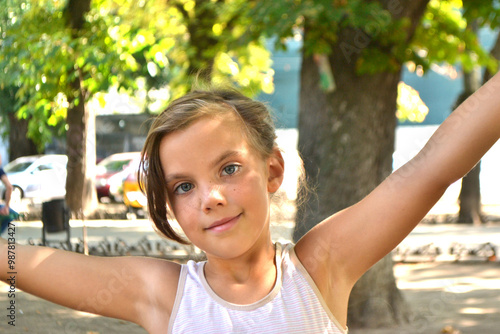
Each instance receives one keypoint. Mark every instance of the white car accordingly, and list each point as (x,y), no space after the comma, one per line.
(36,179)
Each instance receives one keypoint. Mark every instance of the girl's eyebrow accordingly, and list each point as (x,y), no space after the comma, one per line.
(225,155)
(172,177)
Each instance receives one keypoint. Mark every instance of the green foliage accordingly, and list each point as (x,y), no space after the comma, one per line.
(212,48)
(381,42)
(322,19)
(128,45)
(443,37)
(161,48)
(487,12)
(379,36)
(31,63)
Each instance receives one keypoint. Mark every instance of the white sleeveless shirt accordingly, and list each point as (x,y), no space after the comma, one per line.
(293,306)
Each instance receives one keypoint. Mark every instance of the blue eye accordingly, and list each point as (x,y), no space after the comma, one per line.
(183,188)
(230,170)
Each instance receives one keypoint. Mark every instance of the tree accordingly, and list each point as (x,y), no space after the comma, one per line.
(334,144)
(80,186)
(346,130)
(351,142)
(59,55)
(41,48)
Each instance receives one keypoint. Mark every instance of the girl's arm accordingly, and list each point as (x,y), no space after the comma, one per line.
(120,287)
(351,241)
(8,192)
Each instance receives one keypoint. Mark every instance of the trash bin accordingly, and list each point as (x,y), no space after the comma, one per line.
(55,216)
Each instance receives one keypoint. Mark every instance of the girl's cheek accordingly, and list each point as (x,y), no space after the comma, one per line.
(175,207)
(184,205)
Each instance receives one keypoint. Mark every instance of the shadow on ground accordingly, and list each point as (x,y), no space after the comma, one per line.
(445,296)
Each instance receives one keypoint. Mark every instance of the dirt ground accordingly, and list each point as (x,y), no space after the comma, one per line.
(462,296)
(450,298)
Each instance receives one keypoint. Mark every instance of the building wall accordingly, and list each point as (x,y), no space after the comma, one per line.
(120,133)
(114,134)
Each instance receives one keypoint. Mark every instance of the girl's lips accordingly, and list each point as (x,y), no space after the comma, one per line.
(223,224)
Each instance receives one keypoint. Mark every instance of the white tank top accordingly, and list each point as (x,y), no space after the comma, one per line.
(293,306)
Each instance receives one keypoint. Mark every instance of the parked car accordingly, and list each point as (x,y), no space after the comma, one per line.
(133,197)
(110,174)
(36,178)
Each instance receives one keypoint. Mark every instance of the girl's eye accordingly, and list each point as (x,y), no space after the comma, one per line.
(231,169)
(183,188)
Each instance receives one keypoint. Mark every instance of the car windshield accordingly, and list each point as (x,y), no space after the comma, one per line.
(16,167)
(114,165)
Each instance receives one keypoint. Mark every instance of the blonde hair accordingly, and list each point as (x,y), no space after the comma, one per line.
(256,121)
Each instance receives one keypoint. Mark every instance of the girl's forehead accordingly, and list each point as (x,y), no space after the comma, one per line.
(207,132)
(227,122)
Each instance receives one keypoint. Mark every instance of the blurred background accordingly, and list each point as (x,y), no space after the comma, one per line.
(356,88)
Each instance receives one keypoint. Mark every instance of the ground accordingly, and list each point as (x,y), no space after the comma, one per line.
(463,296)
(444,296)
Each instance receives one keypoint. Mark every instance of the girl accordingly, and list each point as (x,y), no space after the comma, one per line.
(210,161)
(5,210)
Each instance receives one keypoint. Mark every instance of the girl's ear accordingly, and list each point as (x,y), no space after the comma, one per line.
(276,170)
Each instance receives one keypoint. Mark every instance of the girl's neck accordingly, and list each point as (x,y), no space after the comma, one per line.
(259,257)
(245,279)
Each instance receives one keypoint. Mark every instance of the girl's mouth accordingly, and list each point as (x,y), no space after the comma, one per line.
(223,224)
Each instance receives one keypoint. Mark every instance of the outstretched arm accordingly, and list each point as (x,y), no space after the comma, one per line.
(356,238)
(118,287)
(8,192)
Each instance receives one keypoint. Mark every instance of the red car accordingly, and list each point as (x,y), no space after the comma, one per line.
(110,174)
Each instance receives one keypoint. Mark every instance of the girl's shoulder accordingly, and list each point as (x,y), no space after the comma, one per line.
(160,274)
(158,281)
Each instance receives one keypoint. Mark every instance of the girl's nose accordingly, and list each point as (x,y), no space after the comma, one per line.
(213,197)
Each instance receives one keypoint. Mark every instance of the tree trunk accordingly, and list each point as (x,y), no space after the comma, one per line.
(80,148)
(19,144)
(470,198)
(80,138)
(470,192)
(201,59)
(375,300)
(346,139)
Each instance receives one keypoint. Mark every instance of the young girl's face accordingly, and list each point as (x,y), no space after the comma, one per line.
(218,186)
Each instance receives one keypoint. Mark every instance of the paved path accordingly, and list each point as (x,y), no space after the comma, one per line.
(468,242)
(441,236)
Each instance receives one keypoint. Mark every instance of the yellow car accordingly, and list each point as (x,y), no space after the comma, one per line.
(133,197)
